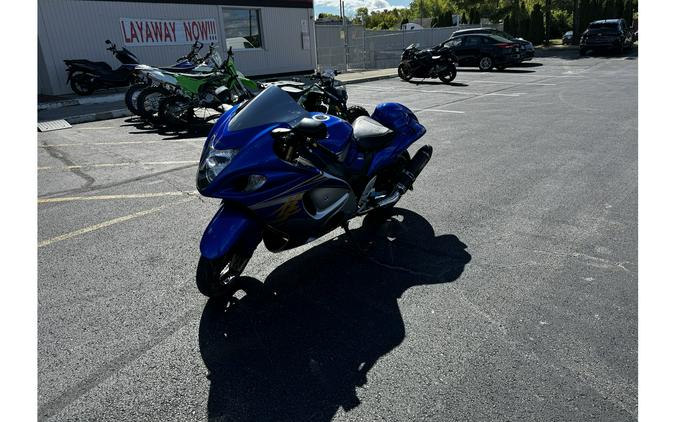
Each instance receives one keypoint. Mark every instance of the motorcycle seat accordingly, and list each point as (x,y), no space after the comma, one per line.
(177,69)
(371,135)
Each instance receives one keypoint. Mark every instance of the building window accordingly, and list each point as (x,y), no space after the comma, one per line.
(242,28)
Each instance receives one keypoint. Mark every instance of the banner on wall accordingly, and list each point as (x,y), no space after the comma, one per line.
(143,32)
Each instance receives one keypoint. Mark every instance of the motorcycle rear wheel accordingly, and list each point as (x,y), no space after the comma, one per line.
(356,111)
(81,84)
(450,76)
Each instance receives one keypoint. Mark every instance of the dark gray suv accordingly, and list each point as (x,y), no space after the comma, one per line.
(606,34)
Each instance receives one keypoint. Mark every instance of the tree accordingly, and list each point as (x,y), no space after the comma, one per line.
(362,14)
(536,30)
(464,21)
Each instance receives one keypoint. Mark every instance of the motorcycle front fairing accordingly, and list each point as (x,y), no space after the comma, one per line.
(291,203)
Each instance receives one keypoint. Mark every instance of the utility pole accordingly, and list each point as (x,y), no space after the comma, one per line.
(344,34)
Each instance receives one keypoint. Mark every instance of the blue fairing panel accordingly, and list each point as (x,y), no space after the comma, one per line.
(229,227)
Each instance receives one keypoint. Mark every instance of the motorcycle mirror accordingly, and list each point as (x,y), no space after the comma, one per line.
(229,51)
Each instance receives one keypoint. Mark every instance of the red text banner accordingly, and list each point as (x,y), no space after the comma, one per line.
(137,32)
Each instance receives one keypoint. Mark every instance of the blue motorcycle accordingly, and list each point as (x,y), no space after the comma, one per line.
(287,176)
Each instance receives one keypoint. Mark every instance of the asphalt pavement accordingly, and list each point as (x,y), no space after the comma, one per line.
(504,288)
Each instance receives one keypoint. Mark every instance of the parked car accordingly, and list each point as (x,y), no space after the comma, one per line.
(526,47)
(607,34)
(485,51)
(567,37)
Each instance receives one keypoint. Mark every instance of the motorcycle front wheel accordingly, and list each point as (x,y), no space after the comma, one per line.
(148,101)
(131,97)
(217,277)
(405,71)
(175,111)
(81,84)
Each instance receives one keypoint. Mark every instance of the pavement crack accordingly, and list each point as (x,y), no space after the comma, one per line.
(63,157)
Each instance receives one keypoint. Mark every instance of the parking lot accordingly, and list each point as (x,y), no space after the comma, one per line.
(505,289)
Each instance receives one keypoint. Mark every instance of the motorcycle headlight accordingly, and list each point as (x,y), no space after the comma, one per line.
(216,161)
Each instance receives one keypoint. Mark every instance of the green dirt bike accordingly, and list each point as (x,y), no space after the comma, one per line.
(178,95)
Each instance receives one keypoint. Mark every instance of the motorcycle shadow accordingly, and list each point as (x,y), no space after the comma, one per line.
(438,83)
(142,126)
(296,347)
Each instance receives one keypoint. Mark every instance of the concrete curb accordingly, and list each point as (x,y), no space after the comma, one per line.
(98,99)
(102,115)
(369,79)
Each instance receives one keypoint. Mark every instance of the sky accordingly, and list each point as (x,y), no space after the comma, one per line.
(333,6)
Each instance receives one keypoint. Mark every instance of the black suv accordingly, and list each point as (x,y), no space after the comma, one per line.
(607,34)
(526,47)
(485,51)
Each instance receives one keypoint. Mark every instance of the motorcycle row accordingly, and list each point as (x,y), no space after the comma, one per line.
(198,89)
(289,160)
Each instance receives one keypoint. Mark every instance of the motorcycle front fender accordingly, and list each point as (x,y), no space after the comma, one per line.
(229,228)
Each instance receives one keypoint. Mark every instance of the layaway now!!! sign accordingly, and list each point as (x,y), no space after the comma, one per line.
(168,32)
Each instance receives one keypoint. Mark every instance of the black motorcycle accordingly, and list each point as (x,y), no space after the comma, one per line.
(86,76)
(437,62)
(323,94)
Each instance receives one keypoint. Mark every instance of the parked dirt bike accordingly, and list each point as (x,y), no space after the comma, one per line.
(192,62)
(86,76)
(326,95)
(287,176)
(226,85)
(436,62)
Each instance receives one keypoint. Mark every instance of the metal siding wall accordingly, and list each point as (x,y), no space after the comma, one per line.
(282,42)
(70,29)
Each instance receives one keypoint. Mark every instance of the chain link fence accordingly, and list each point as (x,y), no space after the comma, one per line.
(353,47)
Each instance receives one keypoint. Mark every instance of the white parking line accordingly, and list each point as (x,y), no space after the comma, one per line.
(434,91)
(511,83)
(438,111)
(416,110)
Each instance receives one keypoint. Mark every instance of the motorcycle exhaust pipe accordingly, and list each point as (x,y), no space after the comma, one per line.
(414,168)
(408,176)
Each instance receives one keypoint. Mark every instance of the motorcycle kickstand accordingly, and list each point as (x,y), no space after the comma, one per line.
(351,238)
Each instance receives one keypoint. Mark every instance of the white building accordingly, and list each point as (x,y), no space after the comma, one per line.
(269,37)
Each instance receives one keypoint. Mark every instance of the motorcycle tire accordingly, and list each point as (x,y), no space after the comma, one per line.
(356,111)
(449,76)
(131,97)
(405,72)
(81,84)
(147,102)
(175,111)
(386,182)
(212,275)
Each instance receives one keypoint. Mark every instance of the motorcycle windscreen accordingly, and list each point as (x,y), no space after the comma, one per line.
(273,105)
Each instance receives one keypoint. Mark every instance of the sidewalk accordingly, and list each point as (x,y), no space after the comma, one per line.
(110,104)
